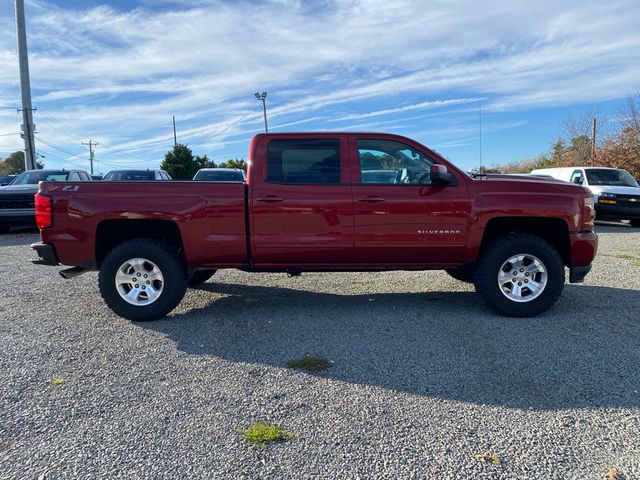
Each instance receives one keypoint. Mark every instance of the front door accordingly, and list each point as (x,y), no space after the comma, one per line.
(400,218)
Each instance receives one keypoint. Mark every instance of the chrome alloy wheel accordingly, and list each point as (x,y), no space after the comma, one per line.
(522,278)
(139,281)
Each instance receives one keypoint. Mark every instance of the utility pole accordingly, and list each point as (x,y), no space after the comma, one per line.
(480,133)
(91,144)
(25,89)
(263,97)
(593,142)
(175,138)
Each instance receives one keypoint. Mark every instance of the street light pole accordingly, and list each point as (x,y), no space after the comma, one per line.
(263,97)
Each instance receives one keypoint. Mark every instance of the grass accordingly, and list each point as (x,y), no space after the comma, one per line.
(260,433)
(310,363)
(634,260)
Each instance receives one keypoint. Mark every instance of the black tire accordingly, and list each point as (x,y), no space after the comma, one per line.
(198,277)
(635,222)
(168,262)
(4,230)
(504,248)
(463,274)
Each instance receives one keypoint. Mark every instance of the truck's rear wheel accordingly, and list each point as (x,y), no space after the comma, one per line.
(142,279)
(198,277)
(519,275)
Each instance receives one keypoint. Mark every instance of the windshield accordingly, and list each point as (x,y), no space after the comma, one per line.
(605,176)
(219,176)
(32,178)
(130,175)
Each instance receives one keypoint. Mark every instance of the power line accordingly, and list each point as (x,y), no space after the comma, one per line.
(61,149)
(227,128)
(80,139)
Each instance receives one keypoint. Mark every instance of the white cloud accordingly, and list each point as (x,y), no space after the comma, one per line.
(120,74)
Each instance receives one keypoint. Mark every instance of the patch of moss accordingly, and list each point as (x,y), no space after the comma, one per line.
(260,433)
(310,363)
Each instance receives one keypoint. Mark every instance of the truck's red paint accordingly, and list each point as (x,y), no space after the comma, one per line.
(262,225)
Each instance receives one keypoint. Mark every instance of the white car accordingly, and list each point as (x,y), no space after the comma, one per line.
(616,193)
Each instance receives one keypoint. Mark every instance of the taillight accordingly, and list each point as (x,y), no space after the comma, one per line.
(588,213)
(43,211)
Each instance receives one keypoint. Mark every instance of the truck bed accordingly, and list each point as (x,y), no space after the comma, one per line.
(210,216)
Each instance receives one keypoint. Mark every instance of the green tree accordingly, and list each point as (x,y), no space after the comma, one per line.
(14,164)
(235,163)
(180,163)
(204,162)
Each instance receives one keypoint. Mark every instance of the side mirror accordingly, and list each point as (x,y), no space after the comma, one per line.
(441,176)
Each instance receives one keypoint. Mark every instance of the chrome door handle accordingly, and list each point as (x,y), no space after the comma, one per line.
(371,199)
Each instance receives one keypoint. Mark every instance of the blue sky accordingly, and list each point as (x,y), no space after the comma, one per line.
(116,71)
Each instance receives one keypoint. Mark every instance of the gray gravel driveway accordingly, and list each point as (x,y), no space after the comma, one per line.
(424,377)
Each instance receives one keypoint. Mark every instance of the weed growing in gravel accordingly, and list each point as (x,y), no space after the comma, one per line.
(488,457)
(310,363)
(261,432)
(634,260)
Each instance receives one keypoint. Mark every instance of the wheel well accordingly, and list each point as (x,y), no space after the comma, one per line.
(553,230)
(113,232)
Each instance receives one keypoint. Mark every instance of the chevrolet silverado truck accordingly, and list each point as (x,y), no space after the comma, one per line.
(322,202)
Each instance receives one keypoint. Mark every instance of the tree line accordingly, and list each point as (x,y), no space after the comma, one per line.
(181,164)
(617,143)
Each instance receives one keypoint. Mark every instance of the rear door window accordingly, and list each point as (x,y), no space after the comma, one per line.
(308,161)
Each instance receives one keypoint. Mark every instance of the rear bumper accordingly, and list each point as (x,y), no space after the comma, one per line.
(46,254)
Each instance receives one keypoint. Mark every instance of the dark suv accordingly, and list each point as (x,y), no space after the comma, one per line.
(16,199)
(136,176)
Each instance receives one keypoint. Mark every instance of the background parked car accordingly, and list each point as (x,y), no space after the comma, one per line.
(16,199)
(6,179)
(221,175)
(616,193)
(136,175)
(96,177)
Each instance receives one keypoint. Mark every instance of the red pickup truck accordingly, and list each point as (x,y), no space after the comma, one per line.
(322,202)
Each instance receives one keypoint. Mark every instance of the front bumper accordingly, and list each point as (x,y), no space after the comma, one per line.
(577,274)
(583,248)
(46,254)
(617,212)
(17,217)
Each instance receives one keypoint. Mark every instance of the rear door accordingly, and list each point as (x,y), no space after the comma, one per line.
(399,217)
(301,201)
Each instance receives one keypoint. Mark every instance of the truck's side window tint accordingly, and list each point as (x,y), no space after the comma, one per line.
(389,162)
(304,161)
(577,177)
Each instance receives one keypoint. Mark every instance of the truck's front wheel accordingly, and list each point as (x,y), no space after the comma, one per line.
(519,275)
(142,279)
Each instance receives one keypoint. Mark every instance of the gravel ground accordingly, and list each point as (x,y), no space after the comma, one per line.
(424,377)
